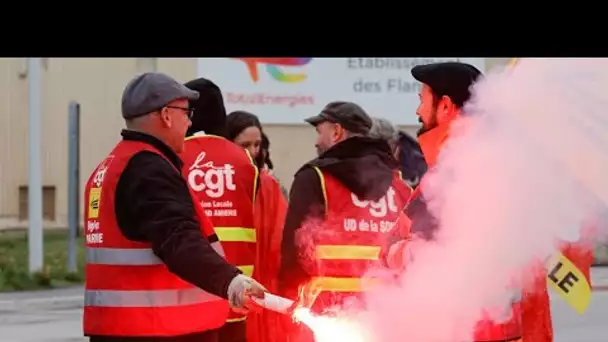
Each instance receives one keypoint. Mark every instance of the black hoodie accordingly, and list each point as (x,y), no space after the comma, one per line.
(209,111)
(413,165)
(363,165)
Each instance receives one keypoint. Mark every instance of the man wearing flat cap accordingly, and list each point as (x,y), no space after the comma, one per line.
(445,90)
(341,206)
(154,267)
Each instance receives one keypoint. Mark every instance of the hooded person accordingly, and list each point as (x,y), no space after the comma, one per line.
(342,205)
(211,103)
(223,178)
(405,149)
(244,206)
(413,165)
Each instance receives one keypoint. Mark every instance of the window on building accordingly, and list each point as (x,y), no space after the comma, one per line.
(48,202)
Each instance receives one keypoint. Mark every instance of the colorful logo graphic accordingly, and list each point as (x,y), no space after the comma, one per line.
(273,68)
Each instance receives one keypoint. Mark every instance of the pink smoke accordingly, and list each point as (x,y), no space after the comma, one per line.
(522,172)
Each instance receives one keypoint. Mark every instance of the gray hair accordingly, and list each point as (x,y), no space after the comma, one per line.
(385,130)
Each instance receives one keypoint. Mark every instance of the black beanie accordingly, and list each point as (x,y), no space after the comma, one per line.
(209,111)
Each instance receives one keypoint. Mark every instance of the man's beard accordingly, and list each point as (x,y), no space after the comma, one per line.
(427,127)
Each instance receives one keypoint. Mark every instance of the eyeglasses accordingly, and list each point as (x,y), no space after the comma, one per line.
(189,111)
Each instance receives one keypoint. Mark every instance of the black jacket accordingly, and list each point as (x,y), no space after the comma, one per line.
(364,165)
(153,204)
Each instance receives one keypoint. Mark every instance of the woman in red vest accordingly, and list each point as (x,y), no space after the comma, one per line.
(245,130)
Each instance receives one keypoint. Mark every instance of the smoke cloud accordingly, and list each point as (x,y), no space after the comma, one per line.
(523,171)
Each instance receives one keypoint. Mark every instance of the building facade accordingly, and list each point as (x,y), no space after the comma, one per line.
(97,84)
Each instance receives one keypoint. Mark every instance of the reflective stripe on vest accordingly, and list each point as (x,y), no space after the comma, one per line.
(120,256)
(343,252)
(338,252)
(131,257)
(138,298)
(235,234)
(344,284)
(217,246)
(246,269)
(146,299)
(238,234)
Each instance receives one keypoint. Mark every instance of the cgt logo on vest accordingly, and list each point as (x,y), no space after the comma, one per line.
(102,168)
(378,210)
(380,207)
(214,181)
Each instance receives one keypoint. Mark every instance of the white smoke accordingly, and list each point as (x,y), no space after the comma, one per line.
(525,169)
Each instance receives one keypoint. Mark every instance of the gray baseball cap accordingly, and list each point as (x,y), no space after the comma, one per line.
(151,91)
(348,114)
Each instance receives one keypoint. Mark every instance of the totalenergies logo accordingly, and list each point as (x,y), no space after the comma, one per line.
(273,68)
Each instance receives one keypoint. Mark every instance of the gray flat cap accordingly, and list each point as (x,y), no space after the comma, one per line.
(348,114)
(151,91)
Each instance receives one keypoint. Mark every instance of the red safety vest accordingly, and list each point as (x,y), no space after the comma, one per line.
(487,330)
(510,330)
(347,244)
(224,179)
(128,290)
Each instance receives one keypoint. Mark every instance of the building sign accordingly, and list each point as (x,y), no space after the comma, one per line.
(287,90)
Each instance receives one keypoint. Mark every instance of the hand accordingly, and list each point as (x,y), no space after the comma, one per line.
(242,290)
